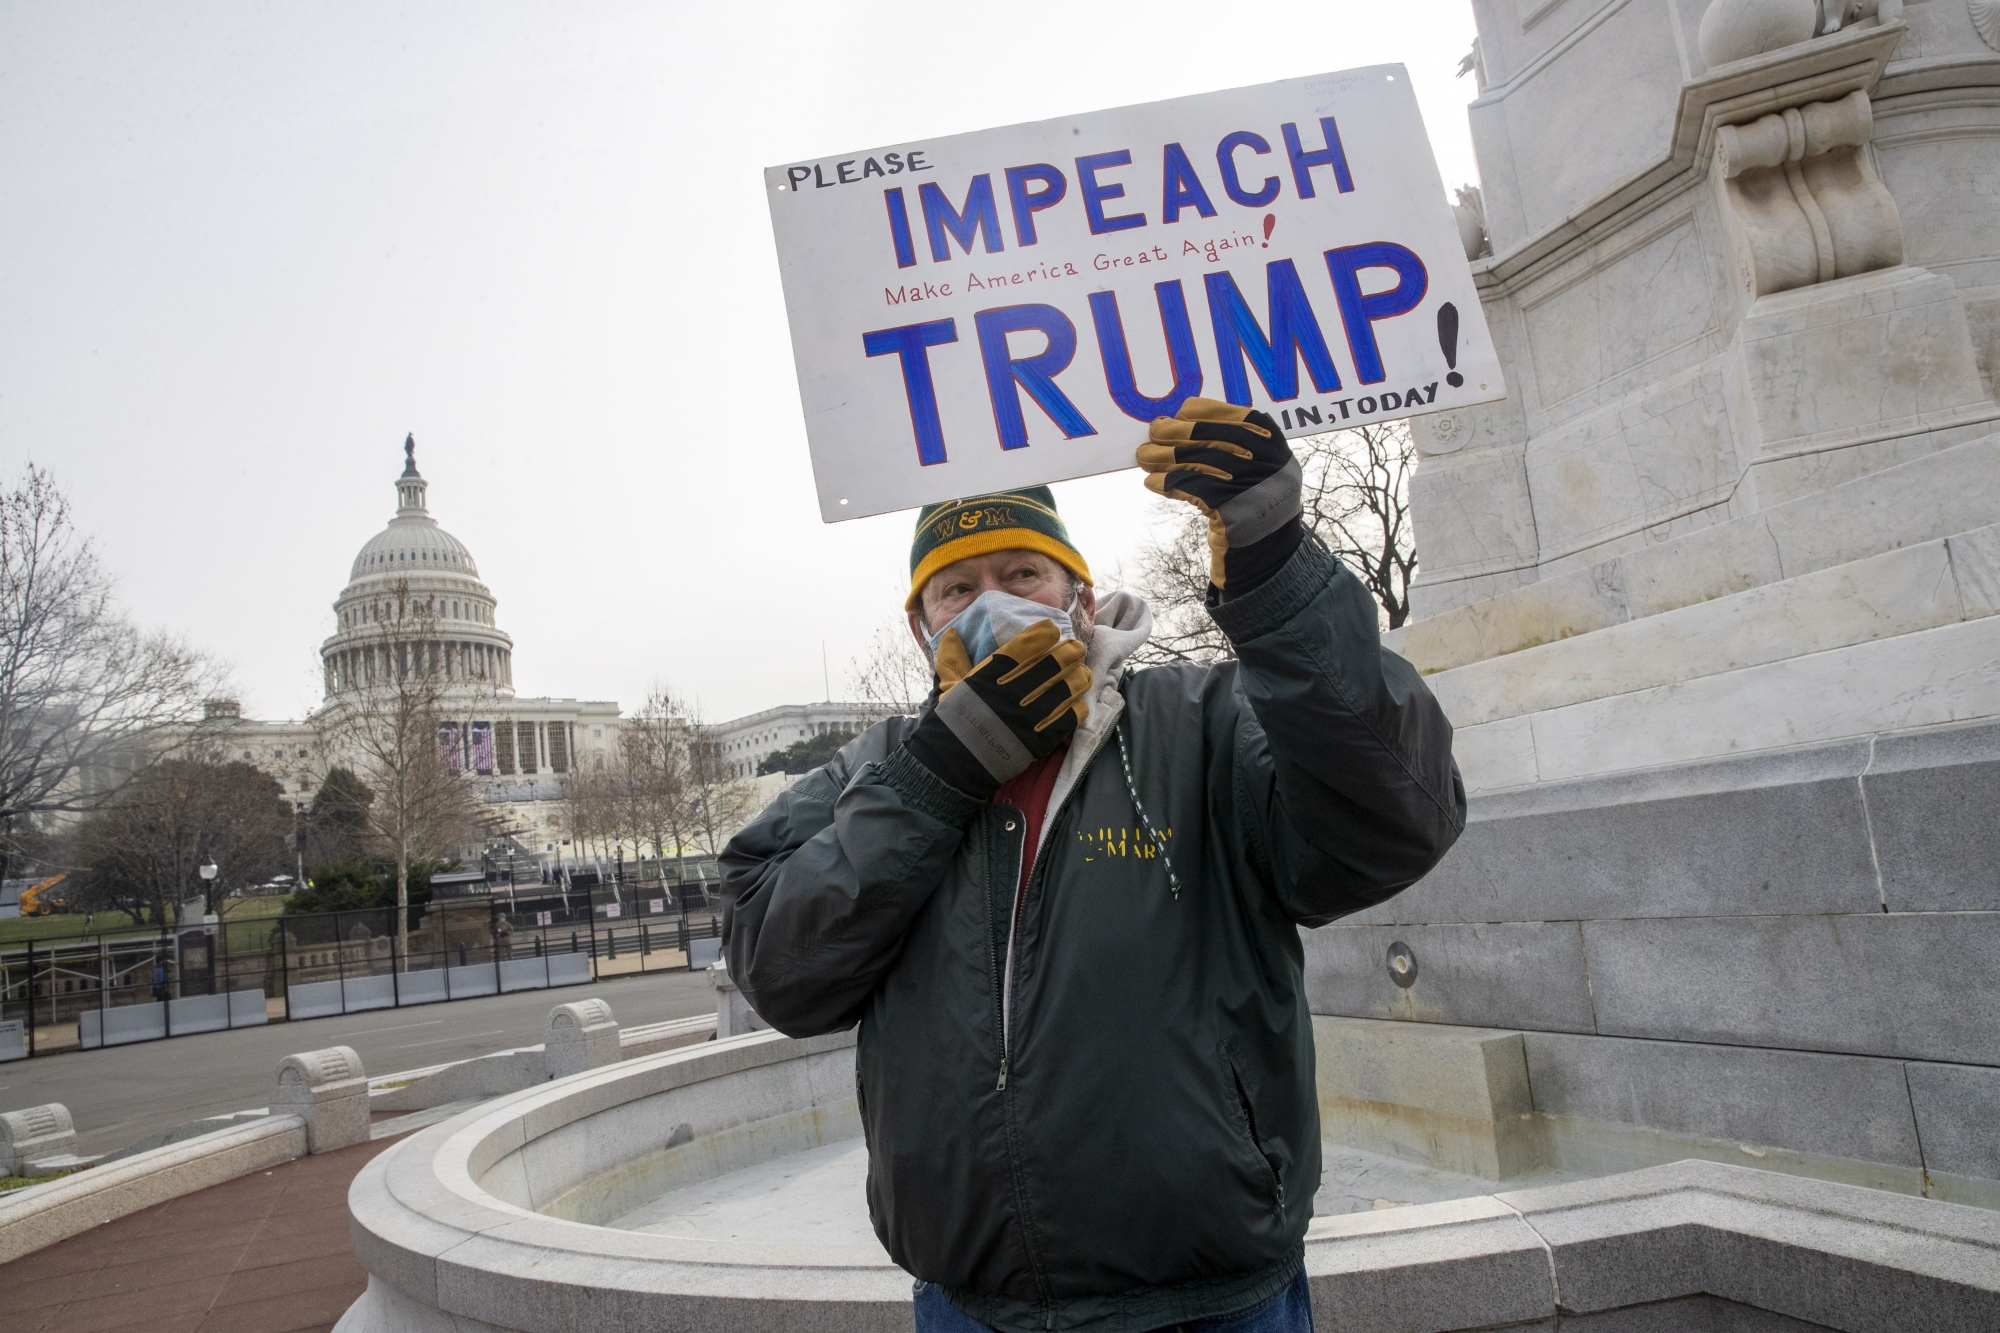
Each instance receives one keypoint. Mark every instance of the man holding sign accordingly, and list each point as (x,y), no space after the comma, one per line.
(1062,903)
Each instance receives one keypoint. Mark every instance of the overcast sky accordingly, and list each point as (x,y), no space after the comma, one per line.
(249,246)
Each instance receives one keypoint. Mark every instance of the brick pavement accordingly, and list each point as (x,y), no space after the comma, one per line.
(266,1253)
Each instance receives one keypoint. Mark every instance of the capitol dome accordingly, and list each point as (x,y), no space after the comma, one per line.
(415,579)
(414,548)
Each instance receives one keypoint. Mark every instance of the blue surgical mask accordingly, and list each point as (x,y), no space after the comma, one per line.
(995,617)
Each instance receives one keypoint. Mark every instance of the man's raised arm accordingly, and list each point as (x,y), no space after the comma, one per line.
(1355,787)
(1353,790)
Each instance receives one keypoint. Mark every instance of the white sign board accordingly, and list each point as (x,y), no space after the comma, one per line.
(1001,309)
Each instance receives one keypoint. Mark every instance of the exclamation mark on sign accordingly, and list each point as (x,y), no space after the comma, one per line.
(1448,339)
(1270,225)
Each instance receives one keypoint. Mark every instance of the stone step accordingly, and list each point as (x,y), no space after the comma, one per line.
(1926,499)
(1899,592)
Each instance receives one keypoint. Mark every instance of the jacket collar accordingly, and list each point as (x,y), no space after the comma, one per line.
(1124,622)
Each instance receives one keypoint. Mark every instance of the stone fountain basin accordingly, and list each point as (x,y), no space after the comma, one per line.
(507,1217)
(567,1208)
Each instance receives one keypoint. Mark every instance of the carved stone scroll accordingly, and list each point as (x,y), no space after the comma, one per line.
(1802,199)
(328,1090)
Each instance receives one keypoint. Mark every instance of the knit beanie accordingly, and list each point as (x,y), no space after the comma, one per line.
(1008,521)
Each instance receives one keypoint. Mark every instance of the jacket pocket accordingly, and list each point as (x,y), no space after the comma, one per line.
(1245,1118)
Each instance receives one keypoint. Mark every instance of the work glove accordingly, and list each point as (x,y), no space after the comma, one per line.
(994,719)
(1233,465)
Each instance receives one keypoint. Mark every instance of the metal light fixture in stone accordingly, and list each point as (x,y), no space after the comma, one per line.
(1734,30)
(1402,965)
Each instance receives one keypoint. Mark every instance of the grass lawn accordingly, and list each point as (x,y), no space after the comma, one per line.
(64,927)
(249,921)
(9,1184)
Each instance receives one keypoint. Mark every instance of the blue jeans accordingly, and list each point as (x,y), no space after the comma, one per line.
(1290,1311)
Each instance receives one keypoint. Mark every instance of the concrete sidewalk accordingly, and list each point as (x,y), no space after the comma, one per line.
(267,1253)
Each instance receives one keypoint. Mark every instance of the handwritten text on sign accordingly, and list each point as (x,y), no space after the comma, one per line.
(1005,308)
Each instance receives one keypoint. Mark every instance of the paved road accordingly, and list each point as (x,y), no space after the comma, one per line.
(121,1095)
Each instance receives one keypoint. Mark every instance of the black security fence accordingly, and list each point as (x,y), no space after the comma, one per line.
(87,992)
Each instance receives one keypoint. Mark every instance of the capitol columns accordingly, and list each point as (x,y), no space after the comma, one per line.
(388,731)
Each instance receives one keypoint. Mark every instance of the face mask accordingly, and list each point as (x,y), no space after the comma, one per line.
(995,617)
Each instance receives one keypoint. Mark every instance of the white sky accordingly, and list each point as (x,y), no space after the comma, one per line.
(248,246)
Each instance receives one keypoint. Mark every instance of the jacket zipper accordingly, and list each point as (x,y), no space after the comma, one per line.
(993,962)
(1013,924)
(1250,1125)
(1000,1017)
(1003,1001)
(1049,821)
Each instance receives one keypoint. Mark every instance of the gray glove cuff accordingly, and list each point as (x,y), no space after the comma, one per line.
(986,738)
(1260,511)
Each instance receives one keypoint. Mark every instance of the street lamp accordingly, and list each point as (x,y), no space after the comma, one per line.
(208,874)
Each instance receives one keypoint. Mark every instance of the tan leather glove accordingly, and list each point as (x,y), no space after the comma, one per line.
(1233,465)
(995,718)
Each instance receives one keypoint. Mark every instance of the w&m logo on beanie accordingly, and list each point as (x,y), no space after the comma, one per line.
(1008,521)
(971,520)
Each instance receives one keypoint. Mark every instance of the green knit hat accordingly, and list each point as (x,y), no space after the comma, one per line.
(1008,521)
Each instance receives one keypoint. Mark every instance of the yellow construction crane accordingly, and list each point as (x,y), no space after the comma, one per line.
(41,900)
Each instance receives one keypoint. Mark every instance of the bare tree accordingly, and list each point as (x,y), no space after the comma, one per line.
(892,676)
(392,729)
(594,808)
(142,854)
(1356,498)
(718,803)
(658,788)
(1172,576)
(87,701)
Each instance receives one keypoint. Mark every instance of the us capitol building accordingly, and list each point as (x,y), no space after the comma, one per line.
(517,750)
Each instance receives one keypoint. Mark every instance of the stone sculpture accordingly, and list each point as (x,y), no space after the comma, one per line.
(1713,600)
(329,1091)
(1802,198)
(1734,30)
(1470,215)
(1986,20)
(29,1138)
(581,1036)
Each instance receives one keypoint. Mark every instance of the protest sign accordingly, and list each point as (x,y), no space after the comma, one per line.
(1010,307)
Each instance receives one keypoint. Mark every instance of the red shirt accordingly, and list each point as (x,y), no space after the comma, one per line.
(1029,792)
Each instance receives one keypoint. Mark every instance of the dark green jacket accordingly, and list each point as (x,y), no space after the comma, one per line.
(1142,1146)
